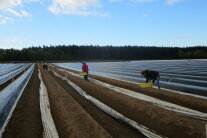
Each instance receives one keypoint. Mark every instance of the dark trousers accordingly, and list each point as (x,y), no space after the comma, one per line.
(45,67)
(86,77)
(158,83)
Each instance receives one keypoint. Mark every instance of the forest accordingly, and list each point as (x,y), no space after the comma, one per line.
(90,52)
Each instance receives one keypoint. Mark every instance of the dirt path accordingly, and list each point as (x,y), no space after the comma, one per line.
(188,101)
(26,119)
(165,122)
(198,104)
(113,127)
(76,117)
(70,118)
(4,85)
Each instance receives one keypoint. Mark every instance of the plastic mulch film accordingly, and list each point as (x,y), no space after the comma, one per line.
(10,96)
(155,101)
(50,130)
(12,74)
(144,130)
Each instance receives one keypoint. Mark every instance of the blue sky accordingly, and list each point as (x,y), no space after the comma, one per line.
(25,23)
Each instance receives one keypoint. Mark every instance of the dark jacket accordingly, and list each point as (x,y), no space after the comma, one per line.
(150,75)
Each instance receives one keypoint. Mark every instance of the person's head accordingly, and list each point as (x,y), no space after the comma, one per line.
(144,73)
(83,62)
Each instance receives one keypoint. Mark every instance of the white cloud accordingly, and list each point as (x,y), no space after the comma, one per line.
(170,2)
(24,13)
(15,13)
(77,7)
(5,20)
(7,6)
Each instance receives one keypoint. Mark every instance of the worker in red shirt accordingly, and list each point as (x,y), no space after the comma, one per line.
(85,69)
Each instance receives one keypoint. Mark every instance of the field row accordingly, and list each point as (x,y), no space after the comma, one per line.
(104,107)
(187,76)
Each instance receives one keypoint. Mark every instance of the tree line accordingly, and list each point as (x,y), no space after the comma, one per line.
(75,52)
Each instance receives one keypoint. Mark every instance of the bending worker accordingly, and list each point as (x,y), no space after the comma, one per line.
(151,75)
(85,69)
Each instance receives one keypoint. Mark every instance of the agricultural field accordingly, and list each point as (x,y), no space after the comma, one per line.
(187,76)
(58,102)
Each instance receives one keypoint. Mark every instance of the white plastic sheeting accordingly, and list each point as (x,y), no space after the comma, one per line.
(155,101)
(6,68)
(12,74)
(134,77)
(187,76)
(144,130)
(10,96)
(173,84)
(50,130)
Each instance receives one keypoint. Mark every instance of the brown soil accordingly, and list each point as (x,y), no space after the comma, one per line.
(4,85)
(70,118)
(113,127)
(198,104)
(165,122)
(74,116)
(26,119)
(188,101)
